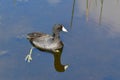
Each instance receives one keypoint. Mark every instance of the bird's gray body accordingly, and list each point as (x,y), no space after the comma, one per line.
(47,42)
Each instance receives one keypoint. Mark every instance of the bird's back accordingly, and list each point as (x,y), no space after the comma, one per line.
(47,42)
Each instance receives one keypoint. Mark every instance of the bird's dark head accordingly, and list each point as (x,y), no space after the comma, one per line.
(58,28)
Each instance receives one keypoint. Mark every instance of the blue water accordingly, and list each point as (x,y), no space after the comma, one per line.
(90,53)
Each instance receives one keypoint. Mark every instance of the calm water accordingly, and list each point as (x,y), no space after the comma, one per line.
(92,54)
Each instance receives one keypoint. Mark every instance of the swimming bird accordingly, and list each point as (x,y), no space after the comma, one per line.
(50,43)
(46,42)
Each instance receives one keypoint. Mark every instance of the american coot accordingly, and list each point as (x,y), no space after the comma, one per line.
(49,43)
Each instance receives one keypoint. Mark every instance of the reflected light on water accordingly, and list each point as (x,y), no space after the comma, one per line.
(110,13)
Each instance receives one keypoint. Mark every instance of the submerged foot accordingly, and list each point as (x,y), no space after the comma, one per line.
(28,58)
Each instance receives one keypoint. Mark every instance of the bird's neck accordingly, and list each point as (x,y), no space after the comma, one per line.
(56,35)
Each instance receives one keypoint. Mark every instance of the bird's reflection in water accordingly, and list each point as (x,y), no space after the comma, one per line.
(57,61)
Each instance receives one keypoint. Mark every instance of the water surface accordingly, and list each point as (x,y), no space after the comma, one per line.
(92,54)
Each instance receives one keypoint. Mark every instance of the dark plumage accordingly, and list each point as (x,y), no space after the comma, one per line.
(45,41)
